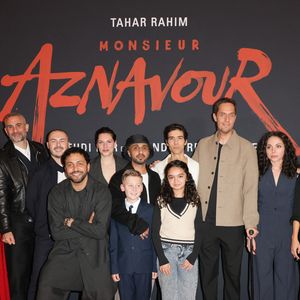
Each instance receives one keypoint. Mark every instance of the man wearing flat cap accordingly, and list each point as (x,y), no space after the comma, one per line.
(137,150)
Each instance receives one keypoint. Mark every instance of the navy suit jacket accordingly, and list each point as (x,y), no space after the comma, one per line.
(129,253)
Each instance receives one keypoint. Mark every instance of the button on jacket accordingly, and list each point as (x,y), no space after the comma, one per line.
(237,180)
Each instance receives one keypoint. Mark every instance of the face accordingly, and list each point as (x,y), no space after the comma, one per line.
(177,179)
(105,144)
(275,149)
(16,129)
(133,187)
(58,143)
(225,118)
(139,153)
(76,168)
(176,141)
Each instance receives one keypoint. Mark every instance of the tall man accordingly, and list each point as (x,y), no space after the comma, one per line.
(19,159)
(79,211)
(48,175)
(138,150)
(228,178)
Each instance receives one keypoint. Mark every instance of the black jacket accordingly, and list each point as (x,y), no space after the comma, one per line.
(38,188)
(13,181)
(96,170)
(135,224)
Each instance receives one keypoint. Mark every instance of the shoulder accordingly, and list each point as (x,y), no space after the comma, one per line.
(153,175)
(98,188)
(207,140)
(118,175)
(37,145)
(192,163)
(120,162)
(245,145)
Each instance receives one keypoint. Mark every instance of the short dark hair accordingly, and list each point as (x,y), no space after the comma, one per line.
(217,104)
(53,130)
(73,150)
(175,126)
(13,114)
(105,130)
(131,172)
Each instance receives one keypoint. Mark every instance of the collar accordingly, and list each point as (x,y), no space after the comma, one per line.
(135,205)
(231,143)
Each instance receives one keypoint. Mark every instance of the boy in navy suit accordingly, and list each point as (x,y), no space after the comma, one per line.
(133,259)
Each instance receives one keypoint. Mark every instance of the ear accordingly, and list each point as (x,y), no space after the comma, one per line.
(122,187)
(27,127)
(47,144)
(128,153)
(214,117)
(88,167)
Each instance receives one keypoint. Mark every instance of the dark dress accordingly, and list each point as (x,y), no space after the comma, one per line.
(96,170)
(275,271)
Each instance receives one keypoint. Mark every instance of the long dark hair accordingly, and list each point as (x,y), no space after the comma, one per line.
(190,192)
(289,164)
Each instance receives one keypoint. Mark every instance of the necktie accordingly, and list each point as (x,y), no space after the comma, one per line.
(130,208)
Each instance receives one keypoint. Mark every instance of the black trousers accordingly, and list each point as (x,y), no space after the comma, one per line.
(230,240)
(42,247)
(19,257)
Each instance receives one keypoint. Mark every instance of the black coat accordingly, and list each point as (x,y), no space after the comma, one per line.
(84,243)
(296,209)
(135,224)
(43,180)
(13,181)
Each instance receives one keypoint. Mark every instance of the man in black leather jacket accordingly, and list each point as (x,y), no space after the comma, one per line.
(19,158)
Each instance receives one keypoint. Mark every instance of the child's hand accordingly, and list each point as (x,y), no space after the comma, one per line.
(115,277)
(154,275)
(165,269)
(186,265)
(145,234)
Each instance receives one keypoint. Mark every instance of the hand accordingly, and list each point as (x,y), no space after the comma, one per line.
(154,275)
(295,248)
(91,219)
(254,234)
(153,164)
(165,269)
(8,238)
(186,265)
(145,234)
(251,246)
(68,222)
(115,277)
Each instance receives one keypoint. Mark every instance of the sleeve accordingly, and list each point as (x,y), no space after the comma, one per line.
(250,189)
(57,218)
(196,154)
(156,223)
(98,229)
(4,212)
(198,236)
(113,248)
(296,209)
(119,213)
